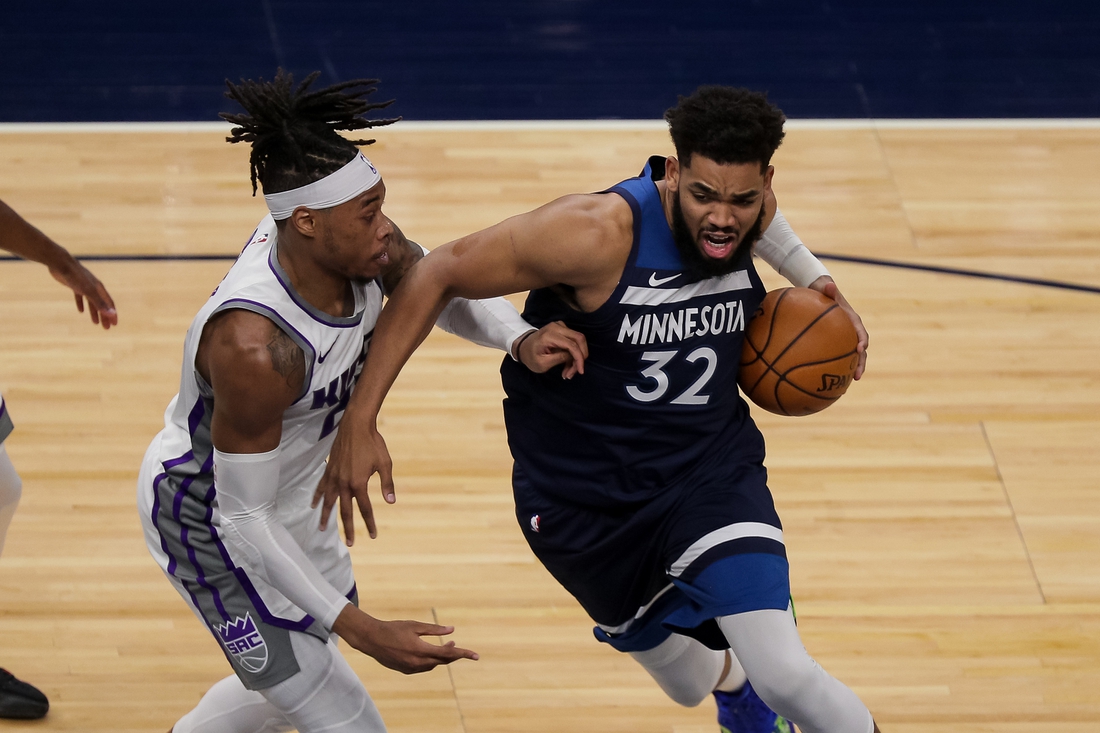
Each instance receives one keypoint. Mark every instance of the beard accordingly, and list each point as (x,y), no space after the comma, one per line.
(698,263)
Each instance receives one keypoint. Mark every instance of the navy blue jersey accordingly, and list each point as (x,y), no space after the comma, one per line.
(658,404)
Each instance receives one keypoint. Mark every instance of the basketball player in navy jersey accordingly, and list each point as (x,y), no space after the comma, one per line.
(639,482)
(269,364)
(17,698)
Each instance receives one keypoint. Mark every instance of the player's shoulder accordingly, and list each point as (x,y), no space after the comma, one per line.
(245,352)
(600,216)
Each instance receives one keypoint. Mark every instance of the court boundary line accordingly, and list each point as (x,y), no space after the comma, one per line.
(962,272)
(1066,123)
(936,269)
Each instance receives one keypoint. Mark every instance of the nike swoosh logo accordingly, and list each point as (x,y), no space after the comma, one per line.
(653,281)
(322,357)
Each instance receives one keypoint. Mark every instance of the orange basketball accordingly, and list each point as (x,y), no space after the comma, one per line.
(799,353)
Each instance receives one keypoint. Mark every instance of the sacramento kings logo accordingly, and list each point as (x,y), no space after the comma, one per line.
(244,642)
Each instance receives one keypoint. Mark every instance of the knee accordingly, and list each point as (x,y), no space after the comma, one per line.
(685,669)
(783,682)
(689,695)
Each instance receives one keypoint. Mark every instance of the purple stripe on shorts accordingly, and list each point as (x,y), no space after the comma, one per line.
(242,577)
(196,416)
(177,501)
(185,458)
(200,578)
(268,617)
(194,599)
(156,523)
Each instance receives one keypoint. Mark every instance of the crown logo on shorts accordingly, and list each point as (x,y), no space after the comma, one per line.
(244,642)
(238,628)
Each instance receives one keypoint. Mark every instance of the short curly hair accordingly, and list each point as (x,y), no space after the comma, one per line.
(727,125)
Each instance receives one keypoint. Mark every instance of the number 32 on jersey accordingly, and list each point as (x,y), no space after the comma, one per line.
(658,383)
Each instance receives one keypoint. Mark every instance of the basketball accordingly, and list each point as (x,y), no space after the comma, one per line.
(799,353)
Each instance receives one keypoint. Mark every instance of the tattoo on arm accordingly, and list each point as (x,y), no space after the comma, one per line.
(407,253)
(287,358)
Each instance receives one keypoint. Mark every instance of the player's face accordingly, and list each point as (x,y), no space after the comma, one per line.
(356,236)
(717,210)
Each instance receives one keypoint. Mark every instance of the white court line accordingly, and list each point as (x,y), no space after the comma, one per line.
(570,125)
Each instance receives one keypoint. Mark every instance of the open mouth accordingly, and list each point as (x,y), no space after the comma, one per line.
(718,245)
(383,257)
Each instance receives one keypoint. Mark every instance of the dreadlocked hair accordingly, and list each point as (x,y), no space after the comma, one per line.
(293,131)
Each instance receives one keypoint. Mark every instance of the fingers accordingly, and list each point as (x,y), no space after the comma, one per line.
(366,509)
(423,628)
(861,346)
(400,645)
(326,491)
(347,517)
(385,474)
(861,366)
(552,345)
(447,652)
(862,339)
(100,300)
(577,346)
(84,284)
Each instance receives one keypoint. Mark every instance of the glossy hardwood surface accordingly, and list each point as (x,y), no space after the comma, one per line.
(942,520)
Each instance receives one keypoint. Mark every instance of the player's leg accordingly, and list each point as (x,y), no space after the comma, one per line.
(18,700)
(11,489)
(614,566)
(688,671)
(325,695)
(228,707)
(788,679)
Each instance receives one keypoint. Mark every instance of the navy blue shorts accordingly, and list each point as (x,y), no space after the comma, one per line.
(669,565)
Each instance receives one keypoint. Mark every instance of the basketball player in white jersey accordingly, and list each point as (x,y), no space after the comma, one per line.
(269,364)
(18,699)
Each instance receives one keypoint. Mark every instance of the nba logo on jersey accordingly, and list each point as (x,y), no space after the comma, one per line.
(244,642)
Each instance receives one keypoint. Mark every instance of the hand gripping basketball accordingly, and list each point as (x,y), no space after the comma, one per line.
(800,352)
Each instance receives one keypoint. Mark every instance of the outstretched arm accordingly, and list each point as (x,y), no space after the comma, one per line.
(19,237)
(257,372)
(491,322)
(557,243)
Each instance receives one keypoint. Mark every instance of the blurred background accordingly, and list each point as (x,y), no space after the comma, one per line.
(943,519)
(64,60)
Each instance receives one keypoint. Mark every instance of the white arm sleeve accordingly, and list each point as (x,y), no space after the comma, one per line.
(246,484)
(493,322)
(781,248)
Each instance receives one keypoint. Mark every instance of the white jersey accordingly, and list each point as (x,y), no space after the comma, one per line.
(334,349)
(225,576)
(176,493)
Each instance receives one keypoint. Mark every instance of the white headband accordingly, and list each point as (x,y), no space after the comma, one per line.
(332,190)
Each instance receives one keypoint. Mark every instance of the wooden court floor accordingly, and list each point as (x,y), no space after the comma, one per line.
(943,519)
